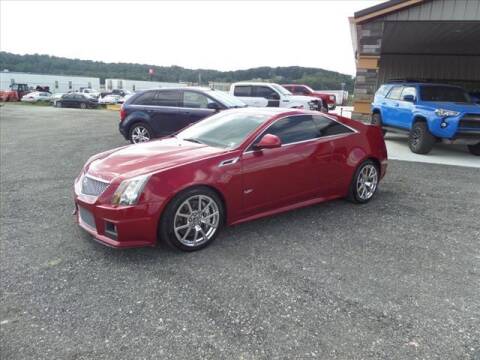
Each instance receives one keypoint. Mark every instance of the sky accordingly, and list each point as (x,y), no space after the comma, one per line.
(221,35)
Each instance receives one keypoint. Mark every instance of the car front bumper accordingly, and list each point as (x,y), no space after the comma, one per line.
(119,227)
(462,129)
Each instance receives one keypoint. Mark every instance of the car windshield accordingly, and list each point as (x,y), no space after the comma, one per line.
(444,93)
(281,89)
(227,99)
(308,88)
(225,130)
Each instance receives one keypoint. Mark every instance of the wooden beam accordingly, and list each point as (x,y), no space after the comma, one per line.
(362,107)
(368,62)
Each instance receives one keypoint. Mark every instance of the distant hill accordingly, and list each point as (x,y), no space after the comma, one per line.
(318,79)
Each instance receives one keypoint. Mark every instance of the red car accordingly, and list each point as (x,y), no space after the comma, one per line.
(297,89)
(232,167)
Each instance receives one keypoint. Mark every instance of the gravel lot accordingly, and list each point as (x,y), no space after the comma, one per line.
(397,278)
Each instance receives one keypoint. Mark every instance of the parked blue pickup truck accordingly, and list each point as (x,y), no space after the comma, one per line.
(429,113)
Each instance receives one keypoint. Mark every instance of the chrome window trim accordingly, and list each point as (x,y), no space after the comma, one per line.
(172,107)
(354,131)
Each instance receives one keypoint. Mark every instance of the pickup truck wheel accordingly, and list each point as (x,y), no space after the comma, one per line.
(474,149)
(420,140)
(377,121)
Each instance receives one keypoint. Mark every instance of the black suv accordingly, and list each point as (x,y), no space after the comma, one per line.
(156,113)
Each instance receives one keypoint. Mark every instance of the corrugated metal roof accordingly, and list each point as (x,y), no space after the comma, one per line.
(438,10)
(446,68)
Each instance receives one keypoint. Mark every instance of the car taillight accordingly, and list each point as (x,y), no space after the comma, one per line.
(332,97)
(123,113)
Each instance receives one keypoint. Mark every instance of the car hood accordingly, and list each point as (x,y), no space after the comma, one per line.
(460,107)
(146,158)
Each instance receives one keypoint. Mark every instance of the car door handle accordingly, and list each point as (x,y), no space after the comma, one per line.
(384,103)
(396,105)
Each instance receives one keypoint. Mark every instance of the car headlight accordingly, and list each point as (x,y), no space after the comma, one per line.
(445,113)
(129,191)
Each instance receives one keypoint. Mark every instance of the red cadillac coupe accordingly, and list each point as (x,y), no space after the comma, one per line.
(235,166)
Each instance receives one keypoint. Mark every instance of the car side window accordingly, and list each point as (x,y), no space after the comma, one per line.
(242,91)
(167,98)
(195,100)
(395,93)
(383,90)
(145,98)
(292,129)
(328,127)
(266,92)
(409,90)
(302,90)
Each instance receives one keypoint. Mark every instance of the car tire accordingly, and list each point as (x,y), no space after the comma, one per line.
(58,104)
(364,183)
(420,140)
(192,219)
(474,149)
(377,121)
(83,106)
(140,132)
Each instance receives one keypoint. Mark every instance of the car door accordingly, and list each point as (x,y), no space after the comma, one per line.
(334,174)
(196,106)
(405,108)
(164,110)
(390,106)
(67,100)
(281,176)
(268,93)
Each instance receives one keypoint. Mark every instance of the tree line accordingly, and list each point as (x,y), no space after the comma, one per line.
(316,78)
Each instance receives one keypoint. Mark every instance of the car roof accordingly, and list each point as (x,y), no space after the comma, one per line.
(258,83)
(418,83)
(272,111)
(195,88)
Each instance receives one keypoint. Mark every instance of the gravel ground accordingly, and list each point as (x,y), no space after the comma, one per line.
(398,278)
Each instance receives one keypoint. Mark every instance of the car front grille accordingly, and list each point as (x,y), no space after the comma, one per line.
(470,121)
(87,218)
(93,187)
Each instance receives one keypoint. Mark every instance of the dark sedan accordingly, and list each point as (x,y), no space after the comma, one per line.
(161,112)
(77,101)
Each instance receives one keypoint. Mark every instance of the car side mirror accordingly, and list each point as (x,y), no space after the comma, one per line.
(275,96)
(409,98)
(213,106)
(268,141)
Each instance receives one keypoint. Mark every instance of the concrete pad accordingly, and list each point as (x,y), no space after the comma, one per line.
(443,154)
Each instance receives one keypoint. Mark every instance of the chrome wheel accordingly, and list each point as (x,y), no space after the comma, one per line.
(196,220)
(140,134)
(367,181)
